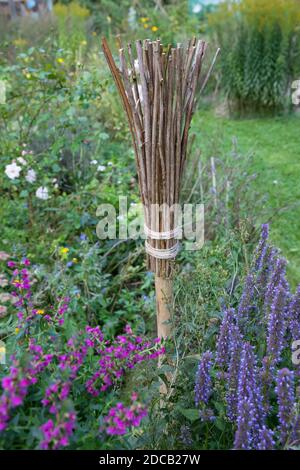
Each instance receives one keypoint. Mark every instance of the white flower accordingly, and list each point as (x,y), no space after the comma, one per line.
(31,176)
(13,170)
(197,8)
(94,162)
(110,163)
(42,193)
(22,161)
(101,168)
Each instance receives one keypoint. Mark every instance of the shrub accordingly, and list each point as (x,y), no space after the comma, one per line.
(260,52)
(71,23)
(48,149)
(225,185)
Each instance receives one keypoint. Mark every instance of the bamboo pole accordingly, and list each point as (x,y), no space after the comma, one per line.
(164,300)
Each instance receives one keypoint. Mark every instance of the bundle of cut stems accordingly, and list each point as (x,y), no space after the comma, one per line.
(158,86)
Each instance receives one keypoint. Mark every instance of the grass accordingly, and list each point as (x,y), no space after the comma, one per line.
(275,143)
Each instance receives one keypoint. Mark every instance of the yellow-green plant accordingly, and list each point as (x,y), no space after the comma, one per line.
(71,22)
(260,51)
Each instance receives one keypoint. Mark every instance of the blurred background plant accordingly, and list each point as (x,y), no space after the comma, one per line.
(72,22)
(260,52)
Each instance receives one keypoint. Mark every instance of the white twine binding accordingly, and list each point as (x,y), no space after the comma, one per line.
(162,235)
(162,253)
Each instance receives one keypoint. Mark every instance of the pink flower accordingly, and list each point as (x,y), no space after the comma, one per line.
(16,400)
(4,256)
(3,311)
(3,281)
(128,329)
(7,383)
(120,418)
(64,441)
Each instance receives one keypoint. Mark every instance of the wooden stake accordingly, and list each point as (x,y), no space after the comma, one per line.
(164,299)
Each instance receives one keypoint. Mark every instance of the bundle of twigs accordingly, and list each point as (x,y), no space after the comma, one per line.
(158,87)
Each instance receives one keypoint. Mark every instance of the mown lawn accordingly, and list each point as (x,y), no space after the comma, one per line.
(276,146)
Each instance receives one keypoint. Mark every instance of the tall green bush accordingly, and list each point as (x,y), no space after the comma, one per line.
(71,25)
(260,52)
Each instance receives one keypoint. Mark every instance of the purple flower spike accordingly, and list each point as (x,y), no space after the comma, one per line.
(267,264)
(295,436)
(243,436)
(246,302)
(250,411)
(186,436)
(294,315)
(286,402)
(277,324)
(235,349)
(260,250)
(203,383)
(223,343)
(277,278)
(267,374)
(266,439)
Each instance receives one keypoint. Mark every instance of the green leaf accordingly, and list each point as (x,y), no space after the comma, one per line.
(24,193)
(219,423)
(192,414)
(56,168)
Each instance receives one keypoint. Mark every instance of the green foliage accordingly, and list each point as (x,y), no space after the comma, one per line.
(274,144)
(208,280)
(46,127)
(260,52)
(52,346)
(71,23)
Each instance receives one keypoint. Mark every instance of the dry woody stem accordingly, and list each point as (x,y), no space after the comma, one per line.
(158,87)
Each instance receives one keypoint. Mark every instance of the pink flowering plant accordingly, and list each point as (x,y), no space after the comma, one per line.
(62,390)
